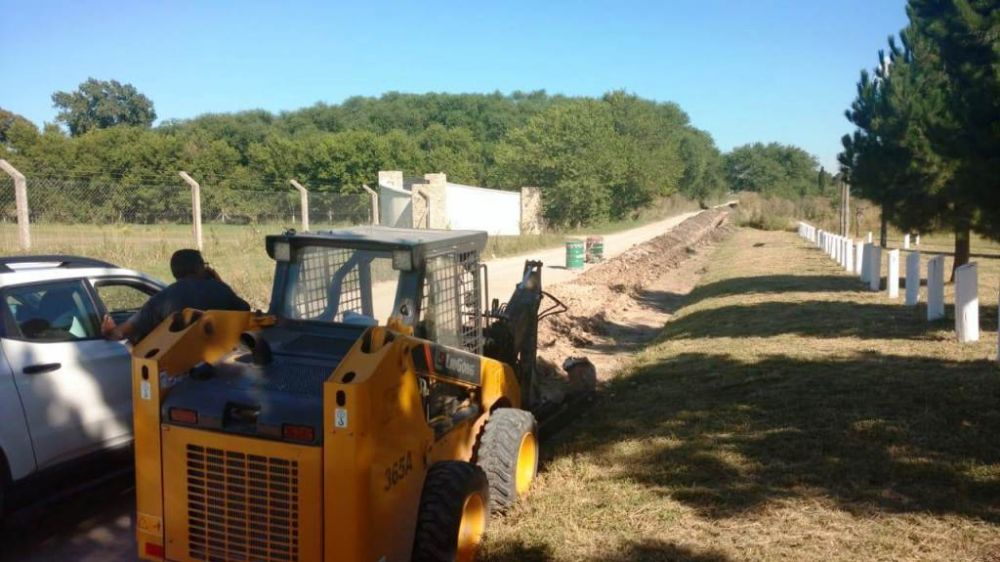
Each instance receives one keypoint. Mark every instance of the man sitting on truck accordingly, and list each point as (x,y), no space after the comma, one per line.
(197,286)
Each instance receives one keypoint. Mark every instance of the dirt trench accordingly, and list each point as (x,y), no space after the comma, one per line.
(617,307)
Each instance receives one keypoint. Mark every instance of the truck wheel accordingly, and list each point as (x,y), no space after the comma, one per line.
(454,509)
(508,453)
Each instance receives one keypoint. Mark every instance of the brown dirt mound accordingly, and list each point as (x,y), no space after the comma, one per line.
(607,308)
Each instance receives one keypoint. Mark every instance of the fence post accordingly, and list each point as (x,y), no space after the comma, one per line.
(892,279)
(304,200)
(967,303)
(195,208)
(875,281)
(935,288)
(21,202)
(912,278)
(374,196)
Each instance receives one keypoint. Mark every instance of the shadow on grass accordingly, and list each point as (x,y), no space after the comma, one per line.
(820,319)
(871,433)
(769,284)
(646,550)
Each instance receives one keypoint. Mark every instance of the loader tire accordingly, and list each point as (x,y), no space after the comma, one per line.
(508,453)
(454,510)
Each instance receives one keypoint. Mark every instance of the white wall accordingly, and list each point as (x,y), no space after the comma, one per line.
(476,208)
(395,207)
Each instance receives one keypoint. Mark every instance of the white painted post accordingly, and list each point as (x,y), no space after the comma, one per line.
(195,208)
(20,204)
(912,278)
(875,271)
(892,279)
(866,264)
(906,241)
(967,303)
(374,195)
(917,241)
(870,237)
(303,204)
(859,256)
(935,288)
(849,256)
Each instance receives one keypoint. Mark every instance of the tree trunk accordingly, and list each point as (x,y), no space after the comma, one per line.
(883,237)
(962,248)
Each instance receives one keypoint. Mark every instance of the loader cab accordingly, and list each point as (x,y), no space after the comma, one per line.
(429,280)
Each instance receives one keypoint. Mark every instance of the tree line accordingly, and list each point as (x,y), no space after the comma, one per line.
(596,159)
(926,143)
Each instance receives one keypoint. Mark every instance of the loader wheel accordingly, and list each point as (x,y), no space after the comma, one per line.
(454,509)
(508,453)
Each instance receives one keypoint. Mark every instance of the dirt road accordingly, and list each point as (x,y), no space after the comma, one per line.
(96,525)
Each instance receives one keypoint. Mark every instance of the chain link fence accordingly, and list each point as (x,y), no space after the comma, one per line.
(70,212)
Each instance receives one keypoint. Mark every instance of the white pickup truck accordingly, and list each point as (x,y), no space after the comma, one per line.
(65,391)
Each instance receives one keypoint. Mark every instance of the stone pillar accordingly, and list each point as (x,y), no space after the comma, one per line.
(892,279)
(912,278)
(875,269)
(428,202)
(906,241)
(967,303)
(935,288)
(393,178)
(531,210)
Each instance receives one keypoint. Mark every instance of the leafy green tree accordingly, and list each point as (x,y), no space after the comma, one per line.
(99,104)
(963,37)
(704,174)
(772,169)
(572,152)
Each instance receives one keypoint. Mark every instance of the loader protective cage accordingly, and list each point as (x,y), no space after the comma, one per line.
(439,284)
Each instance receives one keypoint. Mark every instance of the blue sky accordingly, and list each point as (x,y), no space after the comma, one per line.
(763,70)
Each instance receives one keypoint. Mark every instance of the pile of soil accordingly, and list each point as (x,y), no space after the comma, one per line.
(613,307)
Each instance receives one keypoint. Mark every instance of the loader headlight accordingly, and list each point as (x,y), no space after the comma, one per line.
(282,251)
(402,260)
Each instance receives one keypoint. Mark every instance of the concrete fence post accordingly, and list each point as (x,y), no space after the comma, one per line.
(875,269)
(892,279)
(866,263)
(967,303)
(916,242)
(849,255)
(912,278)
(195,209)
(935,288)
(870,238)
(859,252)
(303,203)
(906,241)
(20,203)
(374,195)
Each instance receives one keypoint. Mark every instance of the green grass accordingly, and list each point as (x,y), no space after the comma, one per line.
(237,251)
(784,414)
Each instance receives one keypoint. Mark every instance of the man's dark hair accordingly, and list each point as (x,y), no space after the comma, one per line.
(186,262)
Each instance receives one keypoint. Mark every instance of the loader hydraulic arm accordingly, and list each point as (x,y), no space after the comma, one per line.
(512,337)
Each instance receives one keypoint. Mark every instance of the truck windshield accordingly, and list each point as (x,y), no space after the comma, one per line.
(340,285)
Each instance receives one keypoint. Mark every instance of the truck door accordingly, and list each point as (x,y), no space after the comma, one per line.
(74,385)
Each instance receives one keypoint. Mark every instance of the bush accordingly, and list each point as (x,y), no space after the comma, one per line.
(765,213)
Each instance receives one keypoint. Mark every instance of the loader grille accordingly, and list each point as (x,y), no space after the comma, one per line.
(241,507)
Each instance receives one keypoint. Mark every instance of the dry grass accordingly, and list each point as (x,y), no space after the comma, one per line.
(785,414)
